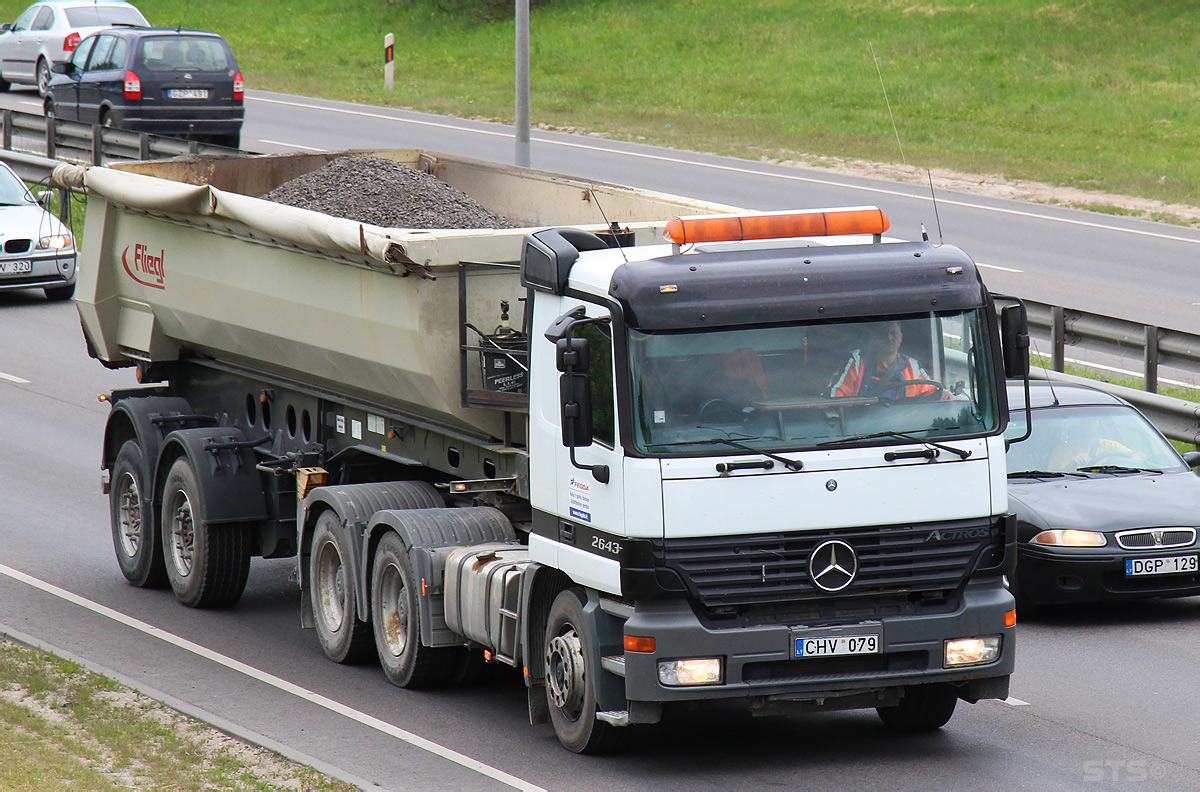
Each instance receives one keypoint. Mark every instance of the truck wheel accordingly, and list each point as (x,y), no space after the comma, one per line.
(570,684)
(395,604)
(207,565)
(343,637)
(923,708)
(138,552)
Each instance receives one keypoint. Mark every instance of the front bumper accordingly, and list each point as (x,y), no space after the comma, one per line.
(759,661)
(47,272)
(1064,576)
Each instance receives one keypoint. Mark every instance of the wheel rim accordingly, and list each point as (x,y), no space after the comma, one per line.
(129,515)
(393,607)
(565,672)
(331,587)
(43,76)
(183,533)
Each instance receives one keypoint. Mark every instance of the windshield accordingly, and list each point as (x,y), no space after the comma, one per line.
(1068,439)
(807,385)
(13,191)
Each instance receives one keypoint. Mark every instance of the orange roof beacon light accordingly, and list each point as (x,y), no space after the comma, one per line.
(776,225)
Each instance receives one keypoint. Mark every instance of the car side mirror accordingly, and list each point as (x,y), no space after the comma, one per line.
(1192,458)
(46,198)
(65,67)
(7,26)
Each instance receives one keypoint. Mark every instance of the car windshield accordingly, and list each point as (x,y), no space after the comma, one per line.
(184,53)
(97,15)
(811,385)
(1091,438)
(13,191)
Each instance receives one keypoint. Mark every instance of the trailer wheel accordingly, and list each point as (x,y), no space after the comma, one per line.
(343,637)
(570,683)
(395,602)
(138,551)
(923,708)
(207,565)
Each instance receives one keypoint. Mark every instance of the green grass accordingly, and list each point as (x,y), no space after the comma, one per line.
(62,727)
(1095,94)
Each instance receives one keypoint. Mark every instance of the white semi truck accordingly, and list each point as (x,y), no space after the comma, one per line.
(688,469)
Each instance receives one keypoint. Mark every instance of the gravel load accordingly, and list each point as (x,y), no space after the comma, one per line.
(385,193)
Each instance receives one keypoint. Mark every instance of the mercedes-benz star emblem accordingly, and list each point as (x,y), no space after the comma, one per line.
(832,565)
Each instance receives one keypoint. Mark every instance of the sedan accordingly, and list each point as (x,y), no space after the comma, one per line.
(1106,508)
(39,251)
(47,33)
(164,81)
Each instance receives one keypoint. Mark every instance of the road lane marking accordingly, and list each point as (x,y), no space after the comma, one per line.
(734,169)
(12,378)
(272,680)
(998,267)
(1015,702)
(289,145)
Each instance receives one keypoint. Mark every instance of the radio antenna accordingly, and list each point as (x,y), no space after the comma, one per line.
(933,197)
(611,226)
(886,101)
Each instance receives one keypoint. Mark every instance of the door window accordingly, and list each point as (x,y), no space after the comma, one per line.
(600,371)
(102,54)
(44,20)
(80,56)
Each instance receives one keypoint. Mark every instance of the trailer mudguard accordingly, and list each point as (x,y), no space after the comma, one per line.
(430,535)
(224,463)
(355,504)
(147,420)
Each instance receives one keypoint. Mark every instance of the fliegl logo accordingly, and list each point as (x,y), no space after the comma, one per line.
(144,266)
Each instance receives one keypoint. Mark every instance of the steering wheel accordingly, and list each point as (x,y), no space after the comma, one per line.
(722,410)
(898,385)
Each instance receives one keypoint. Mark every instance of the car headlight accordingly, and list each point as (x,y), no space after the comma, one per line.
(54,242)
(1071,537)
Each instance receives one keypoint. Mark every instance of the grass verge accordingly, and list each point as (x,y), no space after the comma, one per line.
(64,727)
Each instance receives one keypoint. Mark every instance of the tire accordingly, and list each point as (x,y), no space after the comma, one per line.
(60,293)
(139,553)
(570,682)
(343,637)
(207,565)
(43,76)
(924,708)
(395,605)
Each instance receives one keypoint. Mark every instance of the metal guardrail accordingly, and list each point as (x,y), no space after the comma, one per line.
(1178,419)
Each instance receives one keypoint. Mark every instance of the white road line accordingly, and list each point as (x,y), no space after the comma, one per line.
(38,105)
(12,378)
(734,169)
(272,680)
(1015,702)
(289,145)
(997,267)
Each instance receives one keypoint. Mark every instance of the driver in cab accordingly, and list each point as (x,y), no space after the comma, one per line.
(883,371)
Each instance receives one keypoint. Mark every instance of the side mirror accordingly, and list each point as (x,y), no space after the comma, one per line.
(64,67)
(571,354)
(1192,458)
(46,198)
(574,391)
(1014,340)
(7,26)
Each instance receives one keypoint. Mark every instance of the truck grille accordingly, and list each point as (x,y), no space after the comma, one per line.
(893,559)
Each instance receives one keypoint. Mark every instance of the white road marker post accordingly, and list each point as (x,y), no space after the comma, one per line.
(389,65)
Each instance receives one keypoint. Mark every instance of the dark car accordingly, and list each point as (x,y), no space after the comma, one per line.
(183,83)
(1106,508)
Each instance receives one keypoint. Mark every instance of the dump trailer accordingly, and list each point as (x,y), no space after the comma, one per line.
(646,450)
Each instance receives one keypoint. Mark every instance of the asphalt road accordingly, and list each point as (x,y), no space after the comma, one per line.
(1103,697)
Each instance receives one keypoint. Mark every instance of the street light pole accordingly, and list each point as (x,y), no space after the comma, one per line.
(522,114)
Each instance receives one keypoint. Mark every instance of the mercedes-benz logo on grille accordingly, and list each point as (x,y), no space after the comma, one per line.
(832,565)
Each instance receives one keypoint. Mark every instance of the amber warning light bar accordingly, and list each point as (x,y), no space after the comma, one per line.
(776,225)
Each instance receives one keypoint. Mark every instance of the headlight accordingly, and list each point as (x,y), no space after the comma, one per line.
(54,242)
(703,671)
(1071,538)
(971,651)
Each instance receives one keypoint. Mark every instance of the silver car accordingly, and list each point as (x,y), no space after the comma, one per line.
(47,33)
(38,250)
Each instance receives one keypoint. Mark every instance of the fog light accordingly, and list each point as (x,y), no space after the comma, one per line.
(971,651)
(704,671)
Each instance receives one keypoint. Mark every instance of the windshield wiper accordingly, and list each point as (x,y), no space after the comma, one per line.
(1042,474)
(1115,469)
(962,453)
(790,464)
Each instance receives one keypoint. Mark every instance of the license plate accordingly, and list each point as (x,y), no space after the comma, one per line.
(187,93)
(841,645)
(1160,566)
(7,267)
